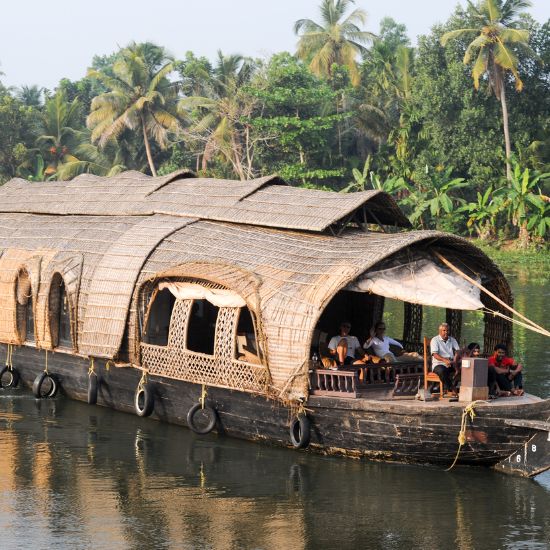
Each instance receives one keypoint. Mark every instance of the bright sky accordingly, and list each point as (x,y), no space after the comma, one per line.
(42,42)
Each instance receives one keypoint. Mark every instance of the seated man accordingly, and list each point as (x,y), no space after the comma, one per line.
(380,344)
(506,371)
(443,348)
(345,347)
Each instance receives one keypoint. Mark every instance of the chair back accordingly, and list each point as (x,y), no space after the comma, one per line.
(425,363)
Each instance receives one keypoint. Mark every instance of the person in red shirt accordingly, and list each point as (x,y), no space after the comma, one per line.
(507,372)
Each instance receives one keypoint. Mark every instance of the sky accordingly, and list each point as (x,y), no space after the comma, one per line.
(42,42)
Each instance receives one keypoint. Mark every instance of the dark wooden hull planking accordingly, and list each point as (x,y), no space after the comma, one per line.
(403,431)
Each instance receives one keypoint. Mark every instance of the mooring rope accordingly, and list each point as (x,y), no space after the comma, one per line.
(9,357)
(469,411)
(142,381)
(46,365)
(91,370)
(204,393)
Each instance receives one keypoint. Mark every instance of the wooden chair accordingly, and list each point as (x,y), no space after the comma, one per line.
(429,375)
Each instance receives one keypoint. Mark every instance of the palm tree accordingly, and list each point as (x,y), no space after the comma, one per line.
(218,118)
(30,96)
(140,96)
(334,40)
(60,132)
(495,44)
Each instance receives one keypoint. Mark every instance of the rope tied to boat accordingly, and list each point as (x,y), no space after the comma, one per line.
(204,393)
(9,357)
(46,364)
(468,412)
(108,365)
(142,382)
(91,370)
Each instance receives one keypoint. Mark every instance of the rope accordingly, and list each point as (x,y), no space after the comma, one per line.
(108,365)
(204,393)
(469,411)
(91,370)
(142,381)
(9,357)
(46,366)
(532,324)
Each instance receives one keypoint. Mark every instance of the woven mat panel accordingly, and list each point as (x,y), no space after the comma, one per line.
(113,283)
(209,274)
(264,201)
(221,369)
(13,263)
(203,369)
(123,194)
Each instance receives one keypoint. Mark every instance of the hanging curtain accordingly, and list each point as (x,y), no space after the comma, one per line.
(421,282)
(194,291)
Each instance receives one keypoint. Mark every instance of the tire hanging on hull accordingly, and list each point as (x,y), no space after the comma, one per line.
(13,377)
(144,402)
(300,431)
(93,384)
(39,382)
(212,418)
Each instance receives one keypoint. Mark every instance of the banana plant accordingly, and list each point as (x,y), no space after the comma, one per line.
(482,214)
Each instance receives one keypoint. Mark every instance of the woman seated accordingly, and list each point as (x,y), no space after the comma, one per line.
(380,344)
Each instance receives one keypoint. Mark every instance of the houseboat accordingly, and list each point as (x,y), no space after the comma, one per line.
(201,302)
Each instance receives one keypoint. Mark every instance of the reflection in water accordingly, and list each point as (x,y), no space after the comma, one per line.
(79,476)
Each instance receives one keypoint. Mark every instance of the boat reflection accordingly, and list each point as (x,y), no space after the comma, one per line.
(74,475)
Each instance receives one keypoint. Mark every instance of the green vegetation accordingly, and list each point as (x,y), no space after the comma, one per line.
(350,110)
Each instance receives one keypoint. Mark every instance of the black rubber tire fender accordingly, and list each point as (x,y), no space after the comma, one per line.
(144,394)
(14,377)
(300,431)
(93,384)
(213,418)
(39,381)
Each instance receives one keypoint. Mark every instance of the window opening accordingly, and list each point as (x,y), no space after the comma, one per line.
(201,330)
(158,321)
(59,314)
(29,321)
(246,349)
(64,319)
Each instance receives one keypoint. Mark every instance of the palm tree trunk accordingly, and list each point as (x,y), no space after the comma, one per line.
(148,148)
(506,130)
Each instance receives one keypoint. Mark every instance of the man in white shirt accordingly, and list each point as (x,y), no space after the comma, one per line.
(344,347)
(380,344)
(443,348)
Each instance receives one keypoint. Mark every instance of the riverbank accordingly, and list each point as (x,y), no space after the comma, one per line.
(507,256)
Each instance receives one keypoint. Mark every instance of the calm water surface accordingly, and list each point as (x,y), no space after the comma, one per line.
(75,476)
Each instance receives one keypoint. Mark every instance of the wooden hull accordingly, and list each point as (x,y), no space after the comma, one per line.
(404,431)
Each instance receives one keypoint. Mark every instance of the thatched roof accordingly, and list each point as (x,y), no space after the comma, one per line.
(287,277)
(265,201)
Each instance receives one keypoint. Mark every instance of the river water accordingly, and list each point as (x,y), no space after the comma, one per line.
(76,476)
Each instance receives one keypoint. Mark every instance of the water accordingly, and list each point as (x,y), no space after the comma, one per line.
(76,476)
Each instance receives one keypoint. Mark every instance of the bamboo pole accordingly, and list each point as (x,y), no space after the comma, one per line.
(542,330)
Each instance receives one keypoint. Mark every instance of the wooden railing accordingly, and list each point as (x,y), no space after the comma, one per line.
(346,383)
(333,383)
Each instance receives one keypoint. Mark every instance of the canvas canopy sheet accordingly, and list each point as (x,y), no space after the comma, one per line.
(193,291)
(421,282)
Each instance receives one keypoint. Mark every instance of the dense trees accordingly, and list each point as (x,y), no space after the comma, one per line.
(349,111)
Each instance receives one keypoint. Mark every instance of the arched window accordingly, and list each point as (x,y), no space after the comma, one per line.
(25,312)
(158,319)
(59,314)
(201,331)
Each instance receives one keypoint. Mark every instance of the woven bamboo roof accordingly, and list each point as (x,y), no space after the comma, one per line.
(266,201)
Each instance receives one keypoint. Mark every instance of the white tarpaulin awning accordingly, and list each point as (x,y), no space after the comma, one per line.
(421,282)
(194,291)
